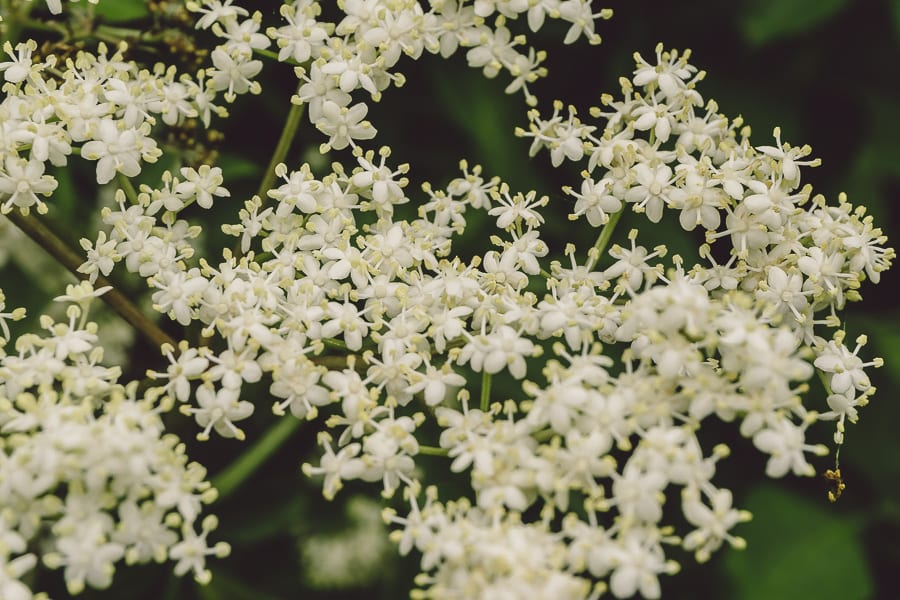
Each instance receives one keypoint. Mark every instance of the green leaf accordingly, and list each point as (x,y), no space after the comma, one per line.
(766,20)
(871,447)
(895,11)
(877,161)
(236,168)
(488,117)
(797,548)
(269,521)
(121,11)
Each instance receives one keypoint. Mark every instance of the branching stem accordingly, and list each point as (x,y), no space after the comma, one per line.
(227,481)
(58,249)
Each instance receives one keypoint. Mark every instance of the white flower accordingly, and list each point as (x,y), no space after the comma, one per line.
(178,292)
(19,68)
(120,150)
(639,560)
(669,75)
(435,384)
(595,201)
(302,37)
(785,441)
(846,368)
(653,189)
(101,257)
(335,467)
(713,522)
(500,349)
(518,209)
(87,555)
(223,11)
(192,551)
(218,409)
(202,184)
(233,73)
(21,181)
(342,125)
(188,365)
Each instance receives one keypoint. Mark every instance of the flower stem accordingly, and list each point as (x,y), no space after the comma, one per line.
(603,239)
(281,150)
(240,470)
(127,187)
(335,343)
(58,249)
(332,362)
(433,451)
(485,390)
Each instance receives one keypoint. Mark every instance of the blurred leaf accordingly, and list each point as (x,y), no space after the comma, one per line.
(237,167)
(488,116)
(269,521)
(879,158)
(797,549)
(121,11)
(895,11)
(885,335)
(872,445)
(64,197)
(766,20)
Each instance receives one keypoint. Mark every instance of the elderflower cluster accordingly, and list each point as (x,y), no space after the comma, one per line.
(343,303)
(87,468)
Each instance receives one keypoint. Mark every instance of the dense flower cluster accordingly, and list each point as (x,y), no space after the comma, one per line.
(87,467)
(636,352)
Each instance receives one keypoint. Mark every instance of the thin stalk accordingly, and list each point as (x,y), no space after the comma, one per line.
(281,151)
(127,187)
(58,249)
(485,390)
(334,343)
(603,239)
(433,451)
(273,55)
(334,363)
(227,481)
(282,148)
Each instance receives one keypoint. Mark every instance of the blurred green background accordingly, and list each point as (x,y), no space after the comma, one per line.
(826,71)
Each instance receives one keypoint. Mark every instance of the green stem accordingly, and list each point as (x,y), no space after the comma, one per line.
(333,343)
(58,249)
(227,481)
(269,54)
(127,187)
(118,33)
(274,56)
(603,239)
(36,25)
(281,150)
(485,390)
(433,451)
(334,363)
